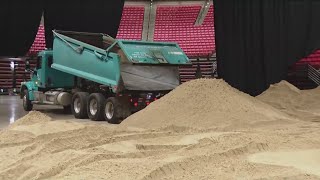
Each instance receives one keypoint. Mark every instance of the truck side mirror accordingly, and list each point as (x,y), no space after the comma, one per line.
(35,73)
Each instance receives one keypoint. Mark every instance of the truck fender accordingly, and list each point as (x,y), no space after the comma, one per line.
(30,86)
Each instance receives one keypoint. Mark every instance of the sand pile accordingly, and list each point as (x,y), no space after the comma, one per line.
(204,129)
(289,99)
(282,95)
(205,103)
(93,151)
(307,160)
(31,118)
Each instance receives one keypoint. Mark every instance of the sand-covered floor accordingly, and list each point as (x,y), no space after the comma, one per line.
(204,129)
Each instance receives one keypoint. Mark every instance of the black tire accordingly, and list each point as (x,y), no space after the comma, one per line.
(27,105)
(95,106)
(112,114)
(80,110)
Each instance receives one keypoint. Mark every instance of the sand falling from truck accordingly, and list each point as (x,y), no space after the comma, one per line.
(204,129)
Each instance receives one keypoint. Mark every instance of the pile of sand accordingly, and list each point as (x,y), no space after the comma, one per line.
(289,99)
(282,95)
(32,117)
(205,103)
(204,129)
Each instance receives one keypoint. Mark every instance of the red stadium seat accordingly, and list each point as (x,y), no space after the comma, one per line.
(131,24)
(176,24)
(313,59)
(39,42)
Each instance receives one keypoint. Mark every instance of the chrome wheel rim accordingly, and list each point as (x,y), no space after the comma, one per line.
(77,105)
(25,100)
(109,109)
(93,106)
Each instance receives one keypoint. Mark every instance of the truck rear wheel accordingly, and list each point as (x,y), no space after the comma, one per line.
(111,110)
(95,106)
(79,105)
(27,105)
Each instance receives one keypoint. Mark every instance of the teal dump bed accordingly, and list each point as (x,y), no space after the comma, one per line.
(104,60)
(153,52)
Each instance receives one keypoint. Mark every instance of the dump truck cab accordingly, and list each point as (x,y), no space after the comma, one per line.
(103,78)
(47,77)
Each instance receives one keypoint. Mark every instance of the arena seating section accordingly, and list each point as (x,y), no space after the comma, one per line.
(313,59)
(6,74)
(208,67)
(6,80)
(176,24)
(298,73)
(131,24)
(39,43)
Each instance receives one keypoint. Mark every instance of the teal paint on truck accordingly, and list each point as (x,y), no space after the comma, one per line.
(86,56)
(144,52)
(48,77)
(31,86)
(91,63)
(129,72)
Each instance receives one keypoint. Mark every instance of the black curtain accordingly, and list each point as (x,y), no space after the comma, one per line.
(19,22)
(86,16)
(256,40)
(20,19)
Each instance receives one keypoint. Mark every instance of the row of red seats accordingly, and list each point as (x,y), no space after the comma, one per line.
(171,25)
(124,37)
(176,23)
(189,39)
(39,42)
(6,79)
(313,59)
(131,23)
(186,35)
(129,30)
(132,8)
(128,18)
(189,73)
(138,26)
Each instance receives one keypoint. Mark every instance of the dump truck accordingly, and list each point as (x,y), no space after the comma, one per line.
(102,78)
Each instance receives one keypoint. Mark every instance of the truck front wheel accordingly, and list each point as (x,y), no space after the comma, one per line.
(79,105)
(27,105)
(96,106)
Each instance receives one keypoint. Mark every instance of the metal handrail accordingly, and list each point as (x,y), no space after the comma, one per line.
(314,74)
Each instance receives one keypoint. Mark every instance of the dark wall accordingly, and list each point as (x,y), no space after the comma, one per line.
(256,40)
(20,20)
(87,16)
